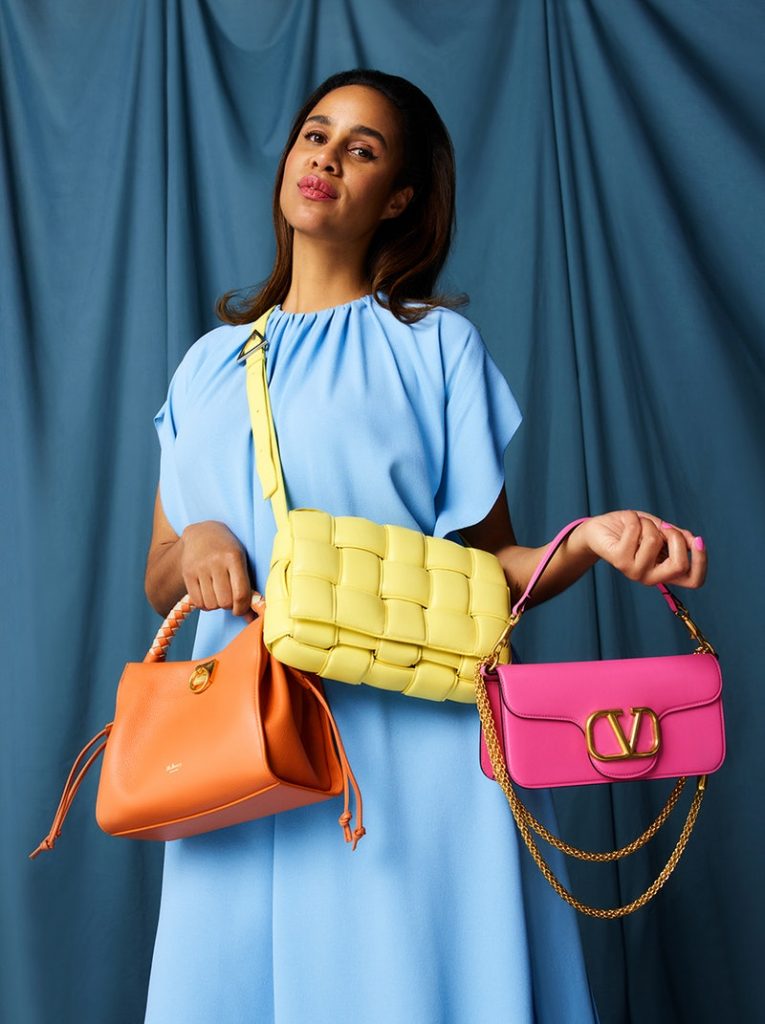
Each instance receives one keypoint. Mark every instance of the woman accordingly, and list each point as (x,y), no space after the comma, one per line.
(387,405)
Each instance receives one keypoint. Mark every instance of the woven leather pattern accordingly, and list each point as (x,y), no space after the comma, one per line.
(337,584)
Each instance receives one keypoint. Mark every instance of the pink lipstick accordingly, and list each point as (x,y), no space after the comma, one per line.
(314,187)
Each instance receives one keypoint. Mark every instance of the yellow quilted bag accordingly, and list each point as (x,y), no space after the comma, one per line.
(361,602)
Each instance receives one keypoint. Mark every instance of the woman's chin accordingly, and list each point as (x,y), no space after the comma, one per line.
(319,229)
(319,222)
(310,215)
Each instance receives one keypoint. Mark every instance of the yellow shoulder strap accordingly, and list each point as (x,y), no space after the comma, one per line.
(263,433)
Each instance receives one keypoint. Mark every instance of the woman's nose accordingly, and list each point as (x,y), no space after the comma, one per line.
(326,159)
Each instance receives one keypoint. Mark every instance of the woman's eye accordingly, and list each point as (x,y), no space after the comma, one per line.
(363,150)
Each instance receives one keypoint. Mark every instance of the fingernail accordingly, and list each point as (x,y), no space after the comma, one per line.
(666,526)
(698,543)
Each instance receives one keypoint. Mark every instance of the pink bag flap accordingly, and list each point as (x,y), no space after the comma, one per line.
(665,684)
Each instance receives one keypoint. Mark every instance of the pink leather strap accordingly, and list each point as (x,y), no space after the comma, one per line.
(544,561)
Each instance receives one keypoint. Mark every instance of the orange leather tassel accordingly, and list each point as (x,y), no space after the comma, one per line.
(70,790)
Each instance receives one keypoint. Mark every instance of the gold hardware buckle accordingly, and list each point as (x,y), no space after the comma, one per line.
(682,613)
(202,675)
(626,746)
(491,664)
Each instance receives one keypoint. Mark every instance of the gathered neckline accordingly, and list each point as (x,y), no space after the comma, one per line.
(327,311)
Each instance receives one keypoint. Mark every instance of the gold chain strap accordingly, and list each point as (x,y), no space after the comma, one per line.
(524,819)
(624,851)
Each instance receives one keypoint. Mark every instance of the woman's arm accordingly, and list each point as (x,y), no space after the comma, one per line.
(633,542)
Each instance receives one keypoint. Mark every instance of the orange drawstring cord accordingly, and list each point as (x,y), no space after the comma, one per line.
(345,817)
(70,789)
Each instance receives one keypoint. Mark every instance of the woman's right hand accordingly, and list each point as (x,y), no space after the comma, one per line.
(214,569)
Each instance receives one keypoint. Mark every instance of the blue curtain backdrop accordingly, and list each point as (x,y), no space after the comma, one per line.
(610,235)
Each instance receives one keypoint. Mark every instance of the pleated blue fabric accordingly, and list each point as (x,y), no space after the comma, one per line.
(439,916)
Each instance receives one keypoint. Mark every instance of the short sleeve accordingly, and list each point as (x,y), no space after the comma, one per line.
(481,416)
(166,422)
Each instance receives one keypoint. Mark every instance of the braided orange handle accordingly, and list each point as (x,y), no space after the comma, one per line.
(175,617)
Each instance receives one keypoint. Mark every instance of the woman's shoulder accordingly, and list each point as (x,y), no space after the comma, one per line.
(454,330)
(210,350)
(445,340)
(457,339)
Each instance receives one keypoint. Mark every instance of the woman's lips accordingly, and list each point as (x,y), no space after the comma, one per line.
(313,187)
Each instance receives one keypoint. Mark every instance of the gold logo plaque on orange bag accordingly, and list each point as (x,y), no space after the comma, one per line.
(202,675)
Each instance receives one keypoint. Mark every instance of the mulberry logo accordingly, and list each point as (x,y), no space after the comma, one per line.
(174,767)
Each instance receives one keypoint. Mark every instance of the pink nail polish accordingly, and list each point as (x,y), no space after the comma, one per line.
(698,543)
(666,526)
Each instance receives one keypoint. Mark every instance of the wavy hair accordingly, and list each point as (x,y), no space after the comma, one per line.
(407,252)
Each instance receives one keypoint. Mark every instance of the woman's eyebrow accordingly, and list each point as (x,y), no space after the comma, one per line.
(358,129)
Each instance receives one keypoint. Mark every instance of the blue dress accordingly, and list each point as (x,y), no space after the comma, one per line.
(439,916)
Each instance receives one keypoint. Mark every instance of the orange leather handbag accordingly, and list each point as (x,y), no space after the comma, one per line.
(200,745)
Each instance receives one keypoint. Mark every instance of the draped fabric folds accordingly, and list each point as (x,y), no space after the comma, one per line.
(610,235)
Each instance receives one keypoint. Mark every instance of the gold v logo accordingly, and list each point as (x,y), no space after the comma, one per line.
(627,747)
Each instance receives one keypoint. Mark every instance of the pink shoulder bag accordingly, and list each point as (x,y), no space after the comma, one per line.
(577,723)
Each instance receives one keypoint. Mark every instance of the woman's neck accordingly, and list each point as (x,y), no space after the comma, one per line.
(324,274)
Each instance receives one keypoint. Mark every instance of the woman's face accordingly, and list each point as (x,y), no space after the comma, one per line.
(339,174)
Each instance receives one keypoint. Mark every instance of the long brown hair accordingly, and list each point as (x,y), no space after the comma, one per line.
(407,252)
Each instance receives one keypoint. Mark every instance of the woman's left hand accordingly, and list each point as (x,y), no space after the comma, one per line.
(646,549)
